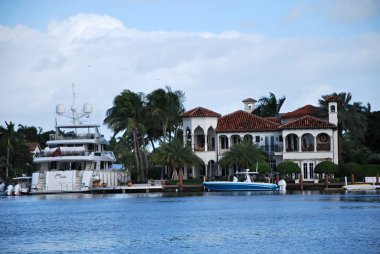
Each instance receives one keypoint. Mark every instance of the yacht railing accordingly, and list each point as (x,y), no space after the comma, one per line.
(73,136)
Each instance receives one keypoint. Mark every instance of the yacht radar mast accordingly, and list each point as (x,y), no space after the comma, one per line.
(74,116)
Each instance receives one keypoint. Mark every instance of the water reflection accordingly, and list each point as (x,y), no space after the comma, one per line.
(203,222)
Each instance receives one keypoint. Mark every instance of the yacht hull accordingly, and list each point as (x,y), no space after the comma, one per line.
(240,186)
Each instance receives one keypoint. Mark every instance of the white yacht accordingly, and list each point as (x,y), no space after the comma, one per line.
(75,158)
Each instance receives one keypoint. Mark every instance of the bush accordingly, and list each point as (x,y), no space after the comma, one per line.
(328,167)
(288,167)
(370,170)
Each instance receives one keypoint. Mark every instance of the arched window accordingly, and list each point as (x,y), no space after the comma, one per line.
(199,139)
(248,138)
(307,142)
(211,139)
(235,139)
(188,137)
(224,142)
(292,143)
(332,108)
(323,142)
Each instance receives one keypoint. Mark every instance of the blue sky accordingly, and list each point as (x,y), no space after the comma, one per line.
(273,18)
(217,52)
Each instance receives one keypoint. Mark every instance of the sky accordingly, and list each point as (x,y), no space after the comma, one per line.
(218,52)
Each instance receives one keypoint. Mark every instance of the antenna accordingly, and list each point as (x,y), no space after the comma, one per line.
(75,116)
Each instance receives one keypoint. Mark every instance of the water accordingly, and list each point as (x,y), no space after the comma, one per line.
(241,222)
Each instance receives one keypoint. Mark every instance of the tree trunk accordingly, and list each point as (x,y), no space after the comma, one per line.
(326,181)
(180,180)
(352,178)
(301,182)
(175,174)
(136,153)
(7,165)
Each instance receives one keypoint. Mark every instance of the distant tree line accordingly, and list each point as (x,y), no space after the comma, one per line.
(15,157)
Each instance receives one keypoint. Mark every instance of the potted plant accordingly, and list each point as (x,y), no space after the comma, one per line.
(96,183)
(129,183)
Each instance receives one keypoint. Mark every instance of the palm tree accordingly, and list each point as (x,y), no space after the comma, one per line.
(243,155)
(327,168)
(352,120)
(166,106)
(8,138)
(175,155)
(269,106)
(12,141)
(127,116)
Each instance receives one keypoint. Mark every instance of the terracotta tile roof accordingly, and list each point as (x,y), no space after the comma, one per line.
(305,110)
(332,99)
(241,121)
(200,112)
(249,100)
(308,122)
(273,119)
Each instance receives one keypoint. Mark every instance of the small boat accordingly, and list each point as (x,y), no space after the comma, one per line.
(359,187)
(246,185)
(21,187)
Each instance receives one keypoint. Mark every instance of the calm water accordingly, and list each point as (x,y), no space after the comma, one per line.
(245,222)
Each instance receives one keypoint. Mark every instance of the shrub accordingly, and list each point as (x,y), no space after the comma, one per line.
(288,167)
(326,167)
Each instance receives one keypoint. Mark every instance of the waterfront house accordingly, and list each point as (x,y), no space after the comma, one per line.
(305,136)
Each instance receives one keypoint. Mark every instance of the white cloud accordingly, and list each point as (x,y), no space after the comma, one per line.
(350,10)
(103,57)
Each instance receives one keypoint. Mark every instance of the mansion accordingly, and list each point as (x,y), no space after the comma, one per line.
(305,136)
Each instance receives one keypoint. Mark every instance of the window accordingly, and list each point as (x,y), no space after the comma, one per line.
(311,170)
(257,139)
(305,170)
(332,108)
(224,142)
(280,137)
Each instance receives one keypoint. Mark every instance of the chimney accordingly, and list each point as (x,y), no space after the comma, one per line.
(249,105)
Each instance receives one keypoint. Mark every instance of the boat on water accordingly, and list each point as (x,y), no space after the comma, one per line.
(19,186)
(246,185)
(359,186)
(76,158)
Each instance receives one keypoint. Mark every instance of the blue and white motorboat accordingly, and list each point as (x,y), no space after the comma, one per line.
(246,185)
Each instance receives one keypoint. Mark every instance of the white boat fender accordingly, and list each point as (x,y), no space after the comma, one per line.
(281,185)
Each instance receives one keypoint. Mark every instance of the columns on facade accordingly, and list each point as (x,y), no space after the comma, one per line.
(299,143)
(315,143)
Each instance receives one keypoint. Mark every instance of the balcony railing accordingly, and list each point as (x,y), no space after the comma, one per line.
(272,148)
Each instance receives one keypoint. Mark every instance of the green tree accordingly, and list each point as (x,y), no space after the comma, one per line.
(175,155)
(243,155)
(269,106)
(288,168)
(127,115)
(327,168)
(9,139)
(17,159)
(166,106)
(372,139)
(352,122)
(352,168)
